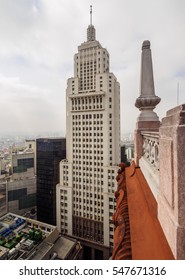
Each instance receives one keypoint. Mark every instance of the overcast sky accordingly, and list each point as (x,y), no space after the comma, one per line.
(38,40)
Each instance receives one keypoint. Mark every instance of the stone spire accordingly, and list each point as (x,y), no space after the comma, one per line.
(147,100)
(91,32)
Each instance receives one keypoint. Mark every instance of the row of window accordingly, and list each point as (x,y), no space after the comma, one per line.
(94,195)
(89,100)
(88,201)
(84,140)
(75,127)
(63,197)
(78,167)
(87,116)
(98,187)
(87,174)
(92,50)
(88,215)
(76,139)
(86,107)
(90,134)
(91,63)
(77,206)
(89,181)
(85,152)
(88,146)
(89,67)
(88,163)
(88,126)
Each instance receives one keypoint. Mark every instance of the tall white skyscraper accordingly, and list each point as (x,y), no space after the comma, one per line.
(85,194)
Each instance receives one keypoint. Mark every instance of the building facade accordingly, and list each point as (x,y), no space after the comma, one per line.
(31,144)
(21,184)
(85,194)
(50,151)
(3,198)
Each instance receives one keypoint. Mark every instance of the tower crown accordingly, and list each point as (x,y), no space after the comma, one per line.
(91,31)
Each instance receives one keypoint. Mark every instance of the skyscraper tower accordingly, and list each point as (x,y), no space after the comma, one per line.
(85,194)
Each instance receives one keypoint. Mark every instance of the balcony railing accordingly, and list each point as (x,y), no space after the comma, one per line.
(151,149)
(149,162)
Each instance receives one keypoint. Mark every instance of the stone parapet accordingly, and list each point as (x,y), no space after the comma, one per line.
(175,116)
(171,207)
(142,126)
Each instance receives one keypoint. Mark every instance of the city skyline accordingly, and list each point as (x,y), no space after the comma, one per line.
(39,38)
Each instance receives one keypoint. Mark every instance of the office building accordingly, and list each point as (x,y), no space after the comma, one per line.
(21,185)
(3,198)
(85,194)
(50,151)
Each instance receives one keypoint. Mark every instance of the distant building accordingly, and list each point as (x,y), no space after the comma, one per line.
(31,144)
(26,239)
(129,151)
(3,198)
(21,184)
(50,151)
(85,194)
(2,165)
(3,188)
(124,158)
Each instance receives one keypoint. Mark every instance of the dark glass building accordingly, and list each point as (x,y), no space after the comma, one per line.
(50,151)
(124,156)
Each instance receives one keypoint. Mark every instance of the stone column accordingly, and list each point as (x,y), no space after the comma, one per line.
(171,203)
(146,102)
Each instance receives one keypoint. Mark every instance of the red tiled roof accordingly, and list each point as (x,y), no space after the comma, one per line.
(122,246)
(138,233)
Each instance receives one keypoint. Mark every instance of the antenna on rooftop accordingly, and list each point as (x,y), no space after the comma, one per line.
(90,14)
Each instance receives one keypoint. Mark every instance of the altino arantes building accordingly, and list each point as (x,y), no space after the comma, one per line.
(85,194)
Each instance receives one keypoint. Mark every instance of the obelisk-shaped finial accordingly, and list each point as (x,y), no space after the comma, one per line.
(147,100)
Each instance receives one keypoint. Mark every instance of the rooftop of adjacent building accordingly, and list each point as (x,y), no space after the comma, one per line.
(22,151)
(138,234)
(24,238)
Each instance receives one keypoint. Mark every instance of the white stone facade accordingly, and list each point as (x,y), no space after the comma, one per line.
(85,194)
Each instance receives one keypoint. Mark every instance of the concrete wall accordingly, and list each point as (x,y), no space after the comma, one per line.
(171,206)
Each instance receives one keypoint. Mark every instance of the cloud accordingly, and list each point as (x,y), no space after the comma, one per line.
(26,108)
(40,37)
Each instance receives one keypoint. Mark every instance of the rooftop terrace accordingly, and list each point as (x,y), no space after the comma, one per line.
(20,237)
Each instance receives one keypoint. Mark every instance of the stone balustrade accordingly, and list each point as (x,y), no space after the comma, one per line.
(149,160)
(151,149)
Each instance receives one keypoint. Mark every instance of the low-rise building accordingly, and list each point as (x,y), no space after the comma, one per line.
(22,183)
(26,239)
